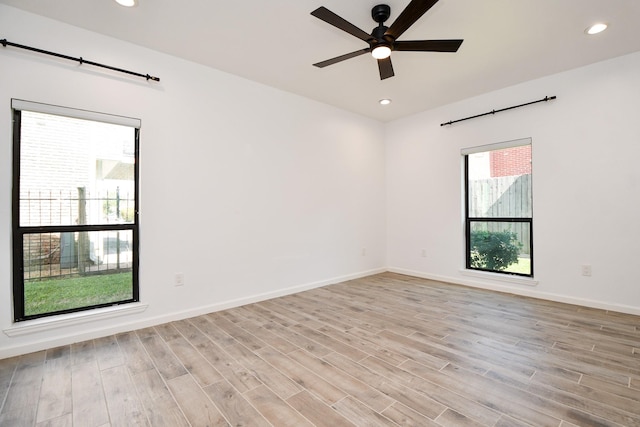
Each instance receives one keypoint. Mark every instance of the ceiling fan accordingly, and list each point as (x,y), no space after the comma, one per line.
(382,39)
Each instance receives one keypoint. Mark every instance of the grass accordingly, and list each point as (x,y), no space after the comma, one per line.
(53,295)
(523,266)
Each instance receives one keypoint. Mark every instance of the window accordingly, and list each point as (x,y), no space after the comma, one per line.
(498,206)
(75,210)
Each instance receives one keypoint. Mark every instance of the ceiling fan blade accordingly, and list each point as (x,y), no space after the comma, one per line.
(428,45)
(386,68)
(341,58)
(409,16)
(331,18)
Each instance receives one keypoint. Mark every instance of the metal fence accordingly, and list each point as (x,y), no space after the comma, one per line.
(73,253)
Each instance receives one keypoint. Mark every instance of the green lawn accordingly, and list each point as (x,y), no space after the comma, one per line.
(52,295)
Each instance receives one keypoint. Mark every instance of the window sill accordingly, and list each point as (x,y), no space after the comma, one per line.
(517,280)
(55,322)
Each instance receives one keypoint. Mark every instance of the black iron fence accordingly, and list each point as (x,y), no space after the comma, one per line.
(67,254)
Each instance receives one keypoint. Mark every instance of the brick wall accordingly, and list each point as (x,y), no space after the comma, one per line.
(511,161)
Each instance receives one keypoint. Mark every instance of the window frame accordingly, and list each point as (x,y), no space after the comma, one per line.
(19,231)
(468,221)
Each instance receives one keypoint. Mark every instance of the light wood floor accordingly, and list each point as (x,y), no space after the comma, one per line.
(380,351)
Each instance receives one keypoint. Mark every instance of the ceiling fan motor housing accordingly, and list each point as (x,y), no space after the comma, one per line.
(378,34)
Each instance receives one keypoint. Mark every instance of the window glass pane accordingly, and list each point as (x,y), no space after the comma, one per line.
(500,183)
(501,246)
(64,271)
(75,172)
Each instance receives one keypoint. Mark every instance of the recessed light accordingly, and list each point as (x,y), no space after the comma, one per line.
(596,28)
(385,101)
(126,3)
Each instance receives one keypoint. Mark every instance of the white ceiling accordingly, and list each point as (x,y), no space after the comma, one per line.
(276,42)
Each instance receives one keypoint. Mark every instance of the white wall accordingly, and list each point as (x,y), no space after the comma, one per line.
(586,185)
(249,191)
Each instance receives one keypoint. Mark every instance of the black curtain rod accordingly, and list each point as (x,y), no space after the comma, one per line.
(6,43)
(545,99)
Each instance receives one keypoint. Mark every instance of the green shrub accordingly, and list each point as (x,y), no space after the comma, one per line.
(494,250)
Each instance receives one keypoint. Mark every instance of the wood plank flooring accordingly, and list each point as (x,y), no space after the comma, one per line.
(386,350)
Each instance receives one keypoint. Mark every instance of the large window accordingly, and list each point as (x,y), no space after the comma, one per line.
(75,210)
(498,206)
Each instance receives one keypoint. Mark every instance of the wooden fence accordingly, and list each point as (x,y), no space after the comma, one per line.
(502,197)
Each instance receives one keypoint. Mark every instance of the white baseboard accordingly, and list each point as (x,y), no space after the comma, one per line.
(59,323)
(522,291)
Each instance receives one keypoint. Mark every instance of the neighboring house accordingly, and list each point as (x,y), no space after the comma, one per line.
(515,161)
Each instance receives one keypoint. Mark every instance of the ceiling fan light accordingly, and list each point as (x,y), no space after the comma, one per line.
(127,3)
(381,52)
(596,28)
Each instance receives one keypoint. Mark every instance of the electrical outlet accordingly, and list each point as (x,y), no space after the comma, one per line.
(179,279)
(424,253)
(364,251)
(586,269)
